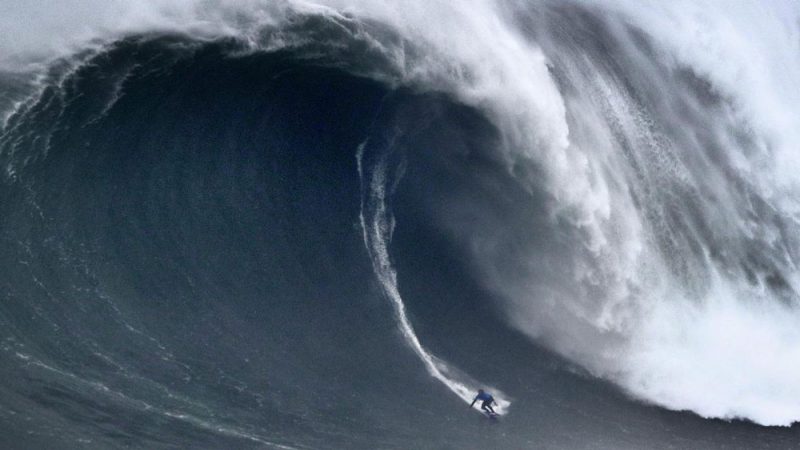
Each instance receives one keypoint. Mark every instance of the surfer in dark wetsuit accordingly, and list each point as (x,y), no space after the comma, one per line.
(487,401)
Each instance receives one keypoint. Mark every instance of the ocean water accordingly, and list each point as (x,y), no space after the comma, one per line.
(327,224)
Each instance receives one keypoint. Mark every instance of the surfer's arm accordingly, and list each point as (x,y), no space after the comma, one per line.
(473,402)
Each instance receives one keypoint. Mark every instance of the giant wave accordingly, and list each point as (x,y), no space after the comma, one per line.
(270,224)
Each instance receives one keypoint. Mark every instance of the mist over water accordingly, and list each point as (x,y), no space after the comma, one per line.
(620,181)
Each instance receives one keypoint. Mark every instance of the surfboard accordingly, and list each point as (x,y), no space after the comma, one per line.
(493,416)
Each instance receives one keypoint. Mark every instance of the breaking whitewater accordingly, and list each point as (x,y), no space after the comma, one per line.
(327,224)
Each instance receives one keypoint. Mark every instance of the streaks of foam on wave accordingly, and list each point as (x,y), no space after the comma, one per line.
(191,419)
(377,234)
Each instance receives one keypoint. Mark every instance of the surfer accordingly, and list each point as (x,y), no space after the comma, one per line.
(487,402)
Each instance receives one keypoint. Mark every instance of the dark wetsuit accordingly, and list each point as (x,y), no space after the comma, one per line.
(487,402)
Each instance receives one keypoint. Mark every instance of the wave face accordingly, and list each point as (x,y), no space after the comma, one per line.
(303,225)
